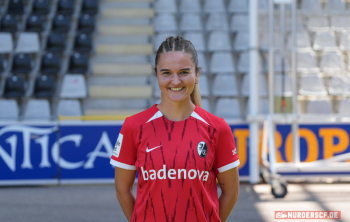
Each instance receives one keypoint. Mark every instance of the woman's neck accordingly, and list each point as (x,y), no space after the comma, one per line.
(176,111)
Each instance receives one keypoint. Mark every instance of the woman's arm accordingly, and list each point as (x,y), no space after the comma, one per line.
(124,181)
(229,184)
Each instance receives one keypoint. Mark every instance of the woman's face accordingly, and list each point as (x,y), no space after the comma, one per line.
(176,75)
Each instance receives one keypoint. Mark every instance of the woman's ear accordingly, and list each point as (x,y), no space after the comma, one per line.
(197,77)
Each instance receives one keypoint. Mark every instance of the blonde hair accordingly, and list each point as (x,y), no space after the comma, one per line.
(182,45)
(196,96)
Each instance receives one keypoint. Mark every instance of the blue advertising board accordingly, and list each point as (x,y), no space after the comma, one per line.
(28,153)
(80,151)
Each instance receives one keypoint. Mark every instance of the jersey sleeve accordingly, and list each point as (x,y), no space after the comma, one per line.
(124,152)
(226,157)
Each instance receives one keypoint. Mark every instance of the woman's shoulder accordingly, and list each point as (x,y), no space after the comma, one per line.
(210,118)
(140,118)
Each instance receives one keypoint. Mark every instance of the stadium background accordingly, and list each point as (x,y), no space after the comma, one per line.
(72,70)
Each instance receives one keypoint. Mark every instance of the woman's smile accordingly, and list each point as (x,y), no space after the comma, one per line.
(176,89)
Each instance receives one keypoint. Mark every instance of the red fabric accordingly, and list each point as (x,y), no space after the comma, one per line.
(176,181)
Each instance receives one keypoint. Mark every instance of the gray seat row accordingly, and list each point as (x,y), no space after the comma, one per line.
(194,22)
(28,42)
(209,6)
(38,109)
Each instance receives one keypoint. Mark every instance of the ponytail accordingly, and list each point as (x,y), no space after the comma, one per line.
(196,96)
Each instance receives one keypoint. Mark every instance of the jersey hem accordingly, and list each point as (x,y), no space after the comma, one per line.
(229,166)
(122,165)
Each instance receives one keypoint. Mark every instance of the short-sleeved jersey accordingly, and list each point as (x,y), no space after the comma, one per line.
(177,163)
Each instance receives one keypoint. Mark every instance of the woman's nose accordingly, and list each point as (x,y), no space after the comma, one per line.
(175,80)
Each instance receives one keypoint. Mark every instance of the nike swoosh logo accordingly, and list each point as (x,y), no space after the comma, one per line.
(149,150)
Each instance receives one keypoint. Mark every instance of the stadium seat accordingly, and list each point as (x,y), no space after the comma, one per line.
(211,6)
(41,7)
(55,42)
(225,85)
(165,23)
(340,22)
(217,22)
(320,106)
(332,60)
(8,109)
(15,7)
(263,106)
(165,6)
(311,6)
(65,7)
(303,39)
(238,6)
(73,86)
(306,62)
(83,43)
(205,104)
(324,40)
(86,23)
(344,107)
(222,62)
(61,23)
(228,108)
(90,7)
(239,22)
(8,23)
(22,64)
(317,23)
(191,22)
(34,23)
(37,109)
(219,41)
(28,42)
(339,84)
(335,6)
(243,63)
(344,43)
(14,87)
(78,63)
(69,108)
(161,37)
(50,64)
(245,86)
(190,6)
(44,86)
(203,85)
(264,40)
(197,39)
(241,41)
(6,43)
(202,62)
(282,85)
(312,84)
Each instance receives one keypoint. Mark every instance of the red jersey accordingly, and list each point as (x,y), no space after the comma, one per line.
(177,163)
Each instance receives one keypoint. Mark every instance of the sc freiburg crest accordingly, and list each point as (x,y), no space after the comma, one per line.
(202,149)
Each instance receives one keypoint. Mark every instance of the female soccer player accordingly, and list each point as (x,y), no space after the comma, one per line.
(178,149)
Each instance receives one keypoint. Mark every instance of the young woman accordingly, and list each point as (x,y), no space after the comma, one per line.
(178,149)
